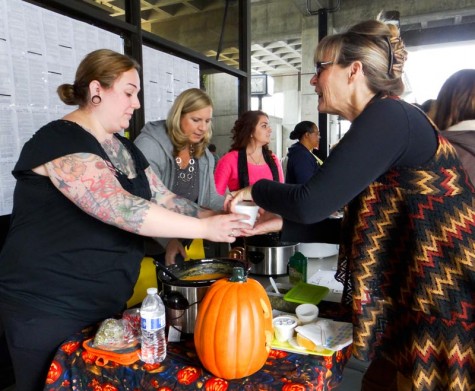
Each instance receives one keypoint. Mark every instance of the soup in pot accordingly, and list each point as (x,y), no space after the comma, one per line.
(204,277)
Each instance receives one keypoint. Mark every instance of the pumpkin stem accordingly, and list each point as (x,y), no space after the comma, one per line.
(238,275)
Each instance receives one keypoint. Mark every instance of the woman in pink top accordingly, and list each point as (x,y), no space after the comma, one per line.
(249,158)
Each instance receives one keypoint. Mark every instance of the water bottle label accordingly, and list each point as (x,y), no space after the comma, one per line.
(153,323)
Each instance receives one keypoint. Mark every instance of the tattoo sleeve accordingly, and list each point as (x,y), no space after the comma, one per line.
(165,198)
(90,182)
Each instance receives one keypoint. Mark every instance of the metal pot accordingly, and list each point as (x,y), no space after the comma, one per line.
(268,255)
(182,295)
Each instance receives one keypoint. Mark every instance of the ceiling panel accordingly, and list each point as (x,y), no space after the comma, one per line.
(280,56)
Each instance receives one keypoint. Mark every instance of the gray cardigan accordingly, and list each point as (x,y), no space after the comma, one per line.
(155,144)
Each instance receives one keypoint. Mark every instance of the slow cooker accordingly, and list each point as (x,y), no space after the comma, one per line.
(268,255)
(182,294)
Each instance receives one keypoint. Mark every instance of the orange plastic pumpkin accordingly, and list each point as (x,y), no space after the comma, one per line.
(233,329)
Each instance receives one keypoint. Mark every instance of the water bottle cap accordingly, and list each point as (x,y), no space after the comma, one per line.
(152,291)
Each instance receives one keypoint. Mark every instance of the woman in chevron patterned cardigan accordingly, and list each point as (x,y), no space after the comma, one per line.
(407,255)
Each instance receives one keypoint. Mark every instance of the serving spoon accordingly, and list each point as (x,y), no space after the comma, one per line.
(274,285)
(164,269)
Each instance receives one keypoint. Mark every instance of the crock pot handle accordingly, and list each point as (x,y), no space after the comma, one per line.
(255,257)
(175,301)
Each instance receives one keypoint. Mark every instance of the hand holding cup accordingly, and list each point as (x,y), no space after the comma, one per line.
(248,208)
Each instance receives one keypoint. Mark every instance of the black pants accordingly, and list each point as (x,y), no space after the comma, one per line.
(32,341)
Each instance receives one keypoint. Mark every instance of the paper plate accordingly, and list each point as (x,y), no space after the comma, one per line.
(293,342)
(306,293)
(331,334)
(293,347)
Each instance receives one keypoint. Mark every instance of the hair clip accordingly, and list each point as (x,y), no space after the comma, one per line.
(390,54)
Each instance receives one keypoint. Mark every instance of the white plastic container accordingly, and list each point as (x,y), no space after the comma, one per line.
(248,208)
(284,326)
(152,322)
(319,250)
(307,313)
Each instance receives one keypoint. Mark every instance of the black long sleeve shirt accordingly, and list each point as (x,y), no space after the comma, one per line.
(388,133)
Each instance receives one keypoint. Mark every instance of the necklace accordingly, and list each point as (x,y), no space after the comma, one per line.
(182,172)
(258,162)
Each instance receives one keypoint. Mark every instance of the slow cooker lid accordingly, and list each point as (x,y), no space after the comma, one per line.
(267,240)
(223,267)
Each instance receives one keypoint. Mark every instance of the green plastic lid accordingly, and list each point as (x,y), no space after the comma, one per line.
(306,293)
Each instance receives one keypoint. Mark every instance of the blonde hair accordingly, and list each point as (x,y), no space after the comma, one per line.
(103,65)
(377,46)
(188,101)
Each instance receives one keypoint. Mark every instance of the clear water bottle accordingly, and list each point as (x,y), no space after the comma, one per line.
(152,321)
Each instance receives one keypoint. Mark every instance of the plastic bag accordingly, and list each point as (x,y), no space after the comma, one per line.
(131,318)
(114,334)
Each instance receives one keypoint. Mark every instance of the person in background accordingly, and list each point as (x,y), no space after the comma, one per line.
(283,162)
(428,107)
(302,163)
(177,152)
(406,257)
(84,198)
(455,116)
(249,158)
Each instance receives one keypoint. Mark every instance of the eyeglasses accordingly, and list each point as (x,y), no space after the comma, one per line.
(320,66)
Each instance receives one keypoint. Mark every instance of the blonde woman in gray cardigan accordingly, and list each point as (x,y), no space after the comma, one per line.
(177,152)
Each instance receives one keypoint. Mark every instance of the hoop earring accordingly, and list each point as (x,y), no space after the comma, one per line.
(96,99)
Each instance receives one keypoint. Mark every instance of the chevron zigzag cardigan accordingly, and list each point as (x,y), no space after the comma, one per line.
(407,263)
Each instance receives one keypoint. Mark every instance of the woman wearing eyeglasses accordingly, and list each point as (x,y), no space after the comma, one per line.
(407,253)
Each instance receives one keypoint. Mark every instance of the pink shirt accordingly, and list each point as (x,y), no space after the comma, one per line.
(226,174)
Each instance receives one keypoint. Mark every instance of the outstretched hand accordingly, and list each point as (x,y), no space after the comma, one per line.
(173,248)
(266,222)
(236,196)
(224,227)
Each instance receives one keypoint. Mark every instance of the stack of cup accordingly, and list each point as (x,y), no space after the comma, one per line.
(284,326)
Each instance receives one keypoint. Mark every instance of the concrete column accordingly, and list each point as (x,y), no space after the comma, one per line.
(222,88)
(289,87)
(309,99)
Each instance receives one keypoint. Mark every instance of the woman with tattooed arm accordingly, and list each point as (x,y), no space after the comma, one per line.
(84,198)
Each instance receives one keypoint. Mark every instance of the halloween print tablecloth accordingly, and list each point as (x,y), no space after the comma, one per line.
(74,368)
